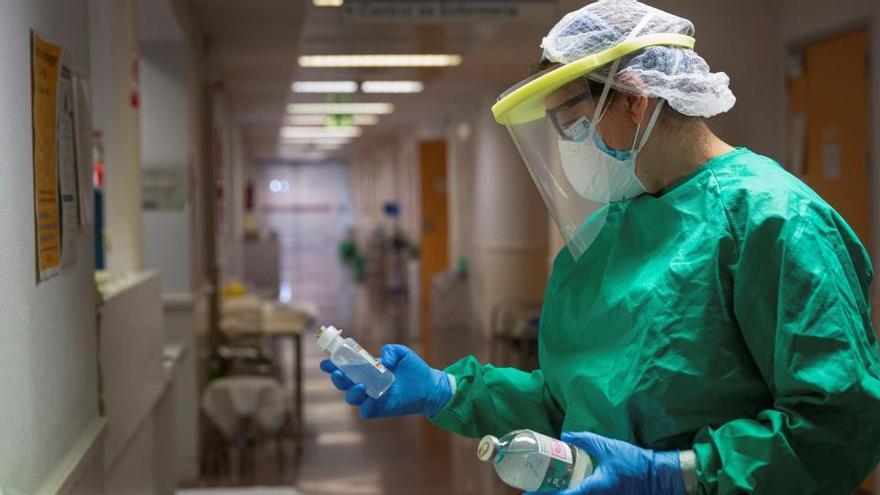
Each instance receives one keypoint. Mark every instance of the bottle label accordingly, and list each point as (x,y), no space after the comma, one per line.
(370,359)
(554,448)
(561,466)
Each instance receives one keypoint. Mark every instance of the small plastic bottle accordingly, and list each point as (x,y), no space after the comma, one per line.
(533,462)
(357,364)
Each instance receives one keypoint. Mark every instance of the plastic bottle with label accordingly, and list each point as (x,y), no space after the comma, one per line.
(353,360)
(533,462)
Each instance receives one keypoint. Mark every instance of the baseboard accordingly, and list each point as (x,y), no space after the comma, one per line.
(85,453)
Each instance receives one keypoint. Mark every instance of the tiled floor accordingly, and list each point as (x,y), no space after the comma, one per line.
(343,454)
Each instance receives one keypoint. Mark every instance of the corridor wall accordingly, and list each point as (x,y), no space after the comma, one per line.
(49,418)
(164,125)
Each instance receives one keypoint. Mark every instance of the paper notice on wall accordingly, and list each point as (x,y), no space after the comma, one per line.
(45,68)
(82,111)
(164,188)
(831,161)
(831,166)
(68,178)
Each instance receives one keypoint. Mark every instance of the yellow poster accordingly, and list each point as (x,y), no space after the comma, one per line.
(45,64)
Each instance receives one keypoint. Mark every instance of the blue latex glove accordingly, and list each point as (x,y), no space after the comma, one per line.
(624,469)
(417,388)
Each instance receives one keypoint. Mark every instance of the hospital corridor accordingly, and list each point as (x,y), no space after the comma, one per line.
(470,247)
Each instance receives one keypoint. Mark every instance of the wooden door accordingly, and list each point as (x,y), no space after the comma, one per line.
(829,110)
(435,227)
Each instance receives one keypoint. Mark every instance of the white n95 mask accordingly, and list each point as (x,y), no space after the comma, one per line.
(598,173)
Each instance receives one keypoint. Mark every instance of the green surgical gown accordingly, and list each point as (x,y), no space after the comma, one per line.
(729,315)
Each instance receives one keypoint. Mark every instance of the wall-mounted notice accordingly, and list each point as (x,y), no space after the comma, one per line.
(83,132)
(45,68)
(164,188)
(67,168)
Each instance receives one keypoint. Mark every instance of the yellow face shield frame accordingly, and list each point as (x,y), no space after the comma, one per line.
(525,104)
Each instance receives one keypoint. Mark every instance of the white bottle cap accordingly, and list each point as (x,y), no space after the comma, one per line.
(326,337)
(488,448)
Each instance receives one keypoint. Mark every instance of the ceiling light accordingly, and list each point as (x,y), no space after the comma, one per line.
(323,146)
(315,141)
(328,3)
(312,146)
(306,156)
(277,186)
(320,132)
(307,119)
(328,147)
(328,120)
(440,60)
(392,86)
(324,87)
(340,108)
(364,119)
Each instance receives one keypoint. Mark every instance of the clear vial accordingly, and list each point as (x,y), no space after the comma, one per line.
(353,360)
(533,462)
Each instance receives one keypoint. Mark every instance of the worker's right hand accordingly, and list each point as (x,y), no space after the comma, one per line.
(417,388)
(625,469)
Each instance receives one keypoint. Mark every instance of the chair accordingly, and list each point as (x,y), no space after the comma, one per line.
(242,407)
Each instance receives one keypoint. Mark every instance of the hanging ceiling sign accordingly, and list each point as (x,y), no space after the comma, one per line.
(446,11)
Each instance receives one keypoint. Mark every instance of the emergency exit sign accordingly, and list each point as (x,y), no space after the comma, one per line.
(446,11)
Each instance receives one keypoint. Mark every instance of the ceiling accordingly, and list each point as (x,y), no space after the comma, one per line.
(255,45)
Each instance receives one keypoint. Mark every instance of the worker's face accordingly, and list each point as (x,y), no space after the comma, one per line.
(624,114)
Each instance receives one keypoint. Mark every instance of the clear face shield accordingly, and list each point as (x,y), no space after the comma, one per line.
(575,172)
(554,118)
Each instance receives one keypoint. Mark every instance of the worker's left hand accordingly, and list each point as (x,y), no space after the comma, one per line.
(621,468)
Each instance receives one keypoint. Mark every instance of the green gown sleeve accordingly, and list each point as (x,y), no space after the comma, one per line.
(801,297)
(495,401)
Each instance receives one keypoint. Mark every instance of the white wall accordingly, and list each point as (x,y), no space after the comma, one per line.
(740,38)
(510,227)
(497,218)
(165,143)
(48,330)
(239,164)
(460,137)
(231,176)
(164,115)
(167,74)
(113,49)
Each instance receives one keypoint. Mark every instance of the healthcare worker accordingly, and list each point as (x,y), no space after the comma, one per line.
(707,329)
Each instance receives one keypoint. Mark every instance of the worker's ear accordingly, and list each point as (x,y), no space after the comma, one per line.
(638,108)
